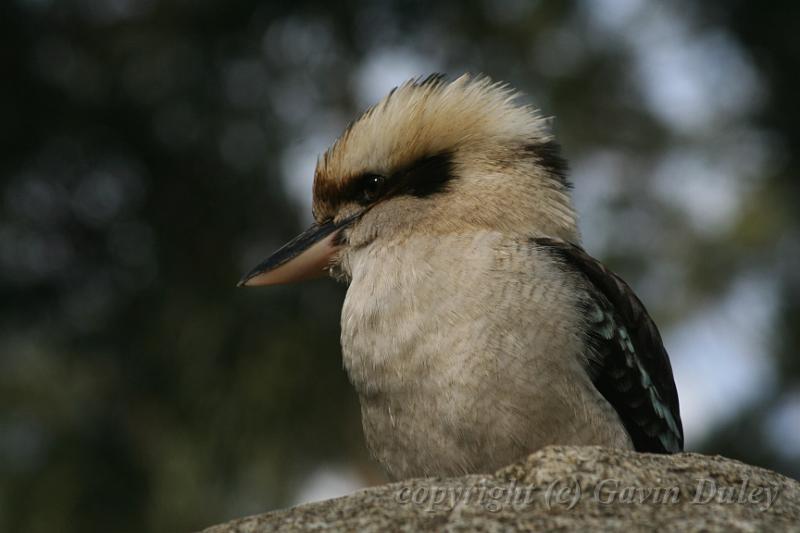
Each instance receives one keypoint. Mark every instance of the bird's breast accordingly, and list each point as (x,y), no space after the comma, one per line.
(409,308)
(411,322)
(450,342)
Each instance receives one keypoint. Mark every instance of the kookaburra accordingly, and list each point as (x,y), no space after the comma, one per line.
(475,329)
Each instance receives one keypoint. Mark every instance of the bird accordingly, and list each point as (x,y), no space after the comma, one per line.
(475,328)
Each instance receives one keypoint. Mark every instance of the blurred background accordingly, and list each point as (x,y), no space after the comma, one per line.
(152,151)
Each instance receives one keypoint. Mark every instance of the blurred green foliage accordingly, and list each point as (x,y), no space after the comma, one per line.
(143,145)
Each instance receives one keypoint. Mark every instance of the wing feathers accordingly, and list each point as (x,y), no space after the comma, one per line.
(627,360)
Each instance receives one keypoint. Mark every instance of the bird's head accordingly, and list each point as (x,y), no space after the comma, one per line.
(430,158)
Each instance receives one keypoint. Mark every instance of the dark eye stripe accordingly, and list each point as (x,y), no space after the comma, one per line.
(428,176)
(425,177)
(548,156)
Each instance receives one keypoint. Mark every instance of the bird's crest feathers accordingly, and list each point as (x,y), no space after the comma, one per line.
(423,118)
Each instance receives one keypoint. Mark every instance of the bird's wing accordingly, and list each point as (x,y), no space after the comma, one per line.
(627,361)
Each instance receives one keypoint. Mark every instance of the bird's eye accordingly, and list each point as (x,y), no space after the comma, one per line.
(372,187)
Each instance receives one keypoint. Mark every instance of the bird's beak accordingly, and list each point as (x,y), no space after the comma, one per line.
(307,256)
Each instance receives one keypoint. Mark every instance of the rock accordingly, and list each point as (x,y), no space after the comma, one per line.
(565,488)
